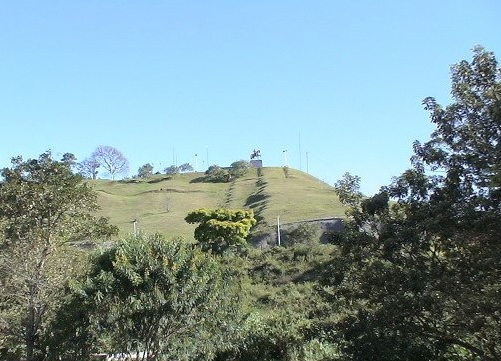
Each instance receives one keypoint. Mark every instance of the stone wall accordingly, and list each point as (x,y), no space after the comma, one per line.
(326,227)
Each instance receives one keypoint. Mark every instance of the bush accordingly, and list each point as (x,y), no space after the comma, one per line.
(216,174)
(239,168)
(304,233)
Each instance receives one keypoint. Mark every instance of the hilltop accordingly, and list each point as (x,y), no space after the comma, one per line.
(160,203)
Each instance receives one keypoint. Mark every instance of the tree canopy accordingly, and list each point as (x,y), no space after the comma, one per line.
(216,174)
(221,229)
(238,168)
(421,273)
(172,170)
(147,296)
(186,168)
(145,171)
(348,190)
(43,205)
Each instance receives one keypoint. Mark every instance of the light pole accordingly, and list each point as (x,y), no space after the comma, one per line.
(285,158)
(307,162)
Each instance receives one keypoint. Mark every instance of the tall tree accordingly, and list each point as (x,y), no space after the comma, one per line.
(145,171)
(348,190)
(111,159)
(148,298)
(216,174)
(185,168)
(43,205)
(239,168)
(70,159)
(88,168)
(221,229)
(422,277)
(172,170)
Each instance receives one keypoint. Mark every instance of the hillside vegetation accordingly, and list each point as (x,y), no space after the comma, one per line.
(160,203)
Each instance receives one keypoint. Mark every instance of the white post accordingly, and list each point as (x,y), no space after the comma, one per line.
(285,158)
(278,229)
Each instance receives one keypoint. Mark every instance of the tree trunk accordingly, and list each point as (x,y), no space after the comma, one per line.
(30,332)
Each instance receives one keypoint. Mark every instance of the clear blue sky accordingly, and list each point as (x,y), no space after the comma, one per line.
(338,84)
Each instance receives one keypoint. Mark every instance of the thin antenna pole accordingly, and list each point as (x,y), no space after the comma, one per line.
(307,163)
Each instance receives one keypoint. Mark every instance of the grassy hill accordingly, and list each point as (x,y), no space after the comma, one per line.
(161,202)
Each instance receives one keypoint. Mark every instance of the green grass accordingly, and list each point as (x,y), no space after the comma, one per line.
(161,202)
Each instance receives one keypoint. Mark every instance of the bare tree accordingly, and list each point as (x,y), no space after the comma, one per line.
(111,159)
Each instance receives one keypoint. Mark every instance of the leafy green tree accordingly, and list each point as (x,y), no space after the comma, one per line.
(43,206)
(111,159)
(421,277)
(186,168)
(348,190)
(216,174)
(70,159)
(239,168)
(221,229)
(304,233)
(145,171)
(172,170)
(147,296)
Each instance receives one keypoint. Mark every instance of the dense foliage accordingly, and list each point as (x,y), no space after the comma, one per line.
(147,296)
(422,274)
(222,229)
(43,206)
(286,314)
(218,174)
(145,171)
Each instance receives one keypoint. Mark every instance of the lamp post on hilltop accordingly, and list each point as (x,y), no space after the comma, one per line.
(307,170)
(285,158)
